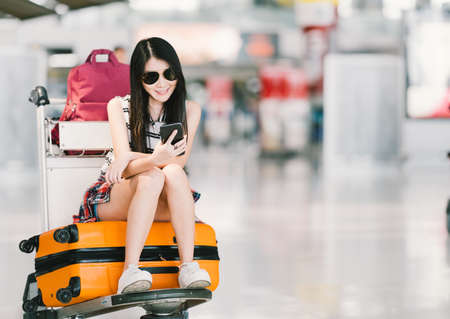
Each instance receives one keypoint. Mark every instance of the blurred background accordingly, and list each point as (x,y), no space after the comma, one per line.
(322,154)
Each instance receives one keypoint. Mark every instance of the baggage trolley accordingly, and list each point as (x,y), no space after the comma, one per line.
(59,199)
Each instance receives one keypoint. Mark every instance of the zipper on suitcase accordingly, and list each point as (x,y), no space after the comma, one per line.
(66,258)
(160,270)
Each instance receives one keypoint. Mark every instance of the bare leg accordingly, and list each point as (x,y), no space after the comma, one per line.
(135,200)
(141,213)
(181,207)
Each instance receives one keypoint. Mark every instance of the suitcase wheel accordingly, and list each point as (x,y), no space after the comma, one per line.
(64,295)
(26,246)
(66,235)
(61,236)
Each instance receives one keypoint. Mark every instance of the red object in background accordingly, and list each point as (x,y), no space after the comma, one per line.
(260,46)
(219,88)
(284,109)
(273,83)
(280,82)
(219,108)
(220,91)
(444,109)
(296,84)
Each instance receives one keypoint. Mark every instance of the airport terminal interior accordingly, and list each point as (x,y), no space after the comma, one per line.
(322,155)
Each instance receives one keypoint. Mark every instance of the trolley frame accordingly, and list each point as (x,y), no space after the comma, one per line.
(162,303)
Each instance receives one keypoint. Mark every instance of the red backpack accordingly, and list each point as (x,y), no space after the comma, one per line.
(91,85)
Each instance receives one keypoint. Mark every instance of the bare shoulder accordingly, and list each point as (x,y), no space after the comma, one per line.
(193,110)
(114,104)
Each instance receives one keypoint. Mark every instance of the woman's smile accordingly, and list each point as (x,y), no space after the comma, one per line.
(162,91)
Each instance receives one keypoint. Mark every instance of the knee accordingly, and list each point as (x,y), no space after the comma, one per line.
(152,180)
(174,174)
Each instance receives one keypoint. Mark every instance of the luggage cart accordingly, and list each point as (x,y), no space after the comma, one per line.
(56,168)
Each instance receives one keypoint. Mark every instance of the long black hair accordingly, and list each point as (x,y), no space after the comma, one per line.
(174,107)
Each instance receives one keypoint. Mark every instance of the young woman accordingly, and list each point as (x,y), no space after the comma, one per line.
(143,180)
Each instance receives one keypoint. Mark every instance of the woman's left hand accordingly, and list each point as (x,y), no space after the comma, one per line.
(115,170)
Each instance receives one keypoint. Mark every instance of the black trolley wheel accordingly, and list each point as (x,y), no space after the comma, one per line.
(26,246)
(64,295)
(29,306)
(61,236)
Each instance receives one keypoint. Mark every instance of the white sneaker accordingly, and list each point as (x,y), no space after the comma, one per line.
(134,280)
(191,276)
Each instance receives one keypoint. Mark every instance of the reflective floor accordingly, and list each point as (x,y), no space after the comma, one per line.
(293,244)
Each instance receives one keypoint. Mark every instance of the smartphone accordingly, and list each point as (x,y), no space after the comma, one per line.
(167,129)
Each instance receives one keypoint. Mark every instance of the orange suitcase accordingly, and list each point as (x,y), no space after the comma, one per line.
(84,261)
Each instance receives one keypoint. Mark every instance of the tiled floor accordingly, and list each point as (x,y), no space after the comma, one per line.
(293,244)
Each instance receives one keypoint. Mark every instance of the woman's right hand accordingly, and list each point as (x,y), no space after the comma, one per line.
(163,153)
(115,170)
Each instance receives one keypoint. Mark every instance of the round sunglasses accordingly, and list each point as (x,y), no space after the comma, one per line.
(153,76)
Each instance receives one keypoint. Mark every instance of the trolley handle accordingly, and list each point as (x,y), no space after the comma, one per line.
(39,96)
